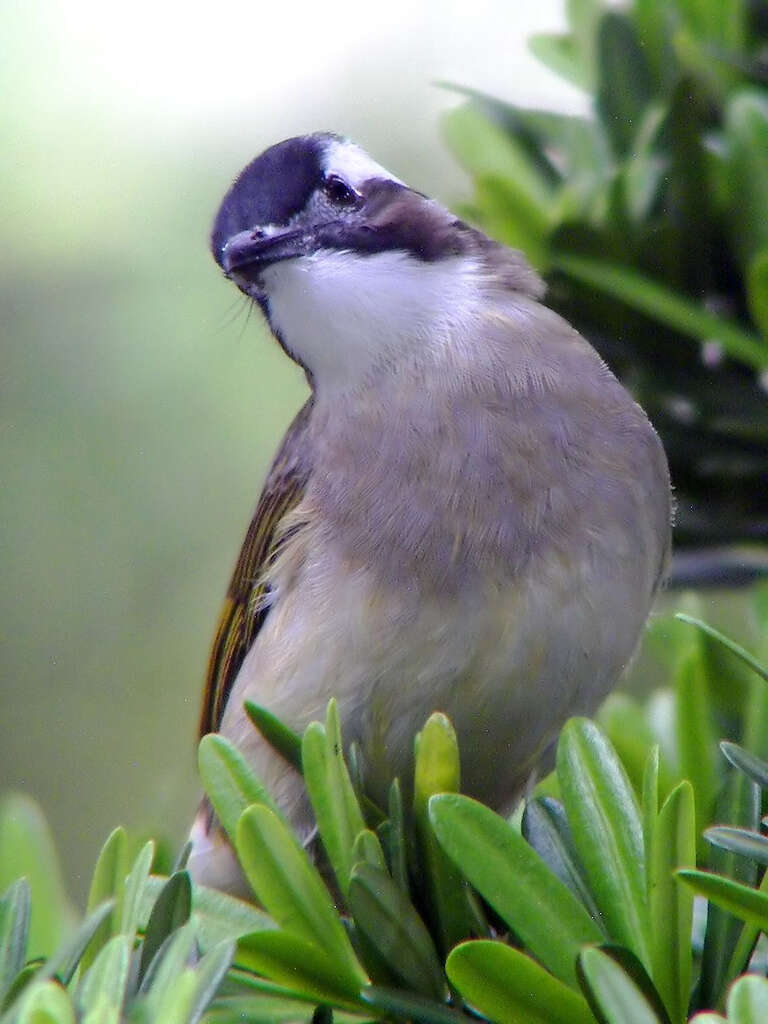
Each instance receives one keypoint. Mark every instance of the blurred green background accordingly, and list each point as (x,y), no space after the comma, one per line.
(140,404)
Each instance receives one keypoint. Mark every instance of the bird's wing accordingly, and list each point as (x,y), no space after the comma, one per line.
(245,608)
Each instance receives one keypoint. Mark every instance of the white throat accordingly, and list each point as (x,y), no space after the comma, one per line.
(341,313)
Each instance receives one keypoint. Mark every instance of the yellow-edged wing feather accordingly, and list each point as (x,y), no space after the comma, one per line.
(245,608)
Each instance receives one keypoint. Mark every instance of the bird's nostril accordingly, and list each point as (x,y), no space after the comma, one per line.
(256,234)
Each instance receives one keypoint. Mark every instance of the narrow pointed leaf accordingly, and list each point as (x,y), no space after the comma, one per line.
(337,812)
(664,305)
(734,648)
(738,804)
(696,739)
(739,840)
(108,883)
(437,771)
(284,740)
(229,781)
(740,900)
(169,913)
(209,974)
(68,957)
(289,960)
(509,987)
(545,827)
(14,931)
(102,989)
(612,994)
(671,906)
(390,923)
(218,916)
(169,961)
(134,890)
(290,888)
(368,849)
(650,803)
(753,767)
(607,831)
(515,881)
(394,839)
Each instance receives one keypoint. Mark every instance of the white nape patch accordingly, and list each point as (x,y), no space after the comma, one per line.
(352,164)
(340,313)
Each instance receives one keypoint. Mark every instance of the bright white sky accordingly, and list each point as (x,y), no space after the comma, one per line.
(252,71)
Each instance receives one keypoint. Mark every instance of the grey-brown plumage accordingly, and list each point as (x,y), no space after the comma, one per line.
(482,512)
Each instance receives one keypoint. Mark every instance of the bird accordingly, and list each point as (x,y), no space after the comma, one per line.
(470,514)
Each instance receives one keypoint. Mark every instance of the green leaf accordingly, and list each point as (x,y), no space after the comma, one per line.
(757,290)
(46,1003)
(395,1003)
(650,804)
(282,739)
(748,1001)
(108,883)
(607,831)
(170,912)
(746,134)
(661,303)
(509,987)
(515,881)
(488,152)
(64,962)
(507,214)
(14,932)
(393,838)
(624,80)
(301,965)
(738,804)
(218,916)
(612,994)
(165,968)
(133,891)
(742,901)
(625,722)
(210,971)
(745,946)
(739,840)
(696,741)
(560,53)
(290,888)
(337,812)
(437,771)
(671,905)
(368,849)
(389,922)
(102,988)
(753,767)
(734,648)
(545,827)
(27,849)
(229,781)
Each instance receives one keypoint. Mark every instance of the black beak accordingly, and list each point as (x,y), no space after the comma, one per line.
(254,250)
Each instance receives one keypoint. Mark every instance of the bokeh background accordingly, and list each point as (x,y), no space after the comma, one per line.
(139,403)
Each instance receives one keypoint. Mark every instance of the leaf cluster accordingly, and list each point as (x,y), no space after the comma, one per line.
(649,219)
(630,887)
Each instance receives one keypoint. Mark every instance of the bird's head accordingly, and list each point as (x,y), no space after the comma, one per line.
(347,262)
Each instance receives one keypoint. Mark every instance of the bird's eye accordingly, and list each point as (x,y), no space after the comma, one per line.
(338,191)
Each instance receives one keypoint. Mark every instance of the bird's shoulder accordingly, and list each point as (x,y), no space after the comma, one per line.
(246,604)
